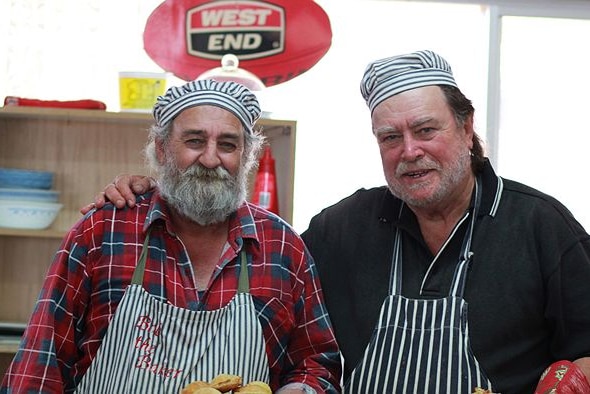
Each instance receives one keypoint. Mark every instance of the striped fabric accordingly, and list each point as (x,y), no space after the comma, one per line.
(393,75)
(422,346)
(228,95)
(151,346)
(166,347)
(176,347)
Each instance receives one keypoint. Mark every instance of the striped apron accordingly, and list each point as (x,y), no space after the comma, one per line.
(422,346)
(154,347)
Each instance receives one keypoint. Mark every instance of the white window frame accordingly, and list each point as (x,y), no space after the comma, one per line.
(497,10)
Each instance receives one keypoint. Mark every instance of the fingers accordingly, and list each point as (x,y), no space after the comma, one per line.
(125,187)
(99,201)
(121,191)
(87,208)
(119,194)
(139,183)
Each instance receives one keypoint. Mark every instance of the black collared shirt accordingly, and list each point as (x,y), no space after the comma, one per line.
(528,288)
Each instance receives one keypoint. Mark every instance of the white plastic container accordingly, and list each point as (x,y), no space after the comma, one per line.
(31,215)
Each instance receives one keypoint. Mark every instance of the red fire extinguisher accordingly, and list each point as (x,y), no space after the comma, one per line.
(265,192)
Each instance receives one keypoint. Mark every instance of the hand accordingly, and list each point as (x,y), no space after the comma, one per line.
(121,191)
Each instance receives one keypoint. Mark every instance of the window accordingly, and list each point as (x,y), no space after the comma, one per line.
(543,134)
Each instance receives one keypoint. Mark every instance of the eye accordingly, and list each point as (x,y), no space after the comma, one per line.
(389,138)
(227,146)
(426,132)
(195,142)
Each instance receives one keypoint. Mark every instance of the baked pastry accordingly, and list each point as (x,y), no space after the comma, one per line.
(206,390)
(479,390)
(226,382)
(255,387)
(194,386)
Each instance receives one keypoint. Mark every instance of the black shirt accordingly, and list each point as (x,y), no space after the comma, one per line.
(528,287)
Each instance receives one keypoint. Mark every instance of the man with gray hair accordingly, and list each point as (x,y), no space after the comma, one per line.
(193,285)
(450,279)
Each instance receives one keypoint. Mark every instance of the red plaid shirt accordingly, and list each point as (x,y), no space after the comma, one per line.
(94,265)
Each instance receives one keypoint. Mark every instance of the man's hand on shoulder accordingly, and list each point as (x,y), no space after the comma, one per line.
(121,191)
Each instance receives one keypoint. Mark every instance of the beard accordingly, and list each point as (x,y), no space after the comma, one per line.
(450,177)
(203,195)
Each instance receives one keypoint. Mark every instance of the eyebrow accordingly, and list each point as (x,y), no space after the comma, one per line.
(414,124)
(421,121)
(199,132)
(384,129)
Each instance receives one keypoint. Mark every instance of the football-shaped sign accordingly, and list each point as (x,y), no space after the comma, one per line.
(276,40)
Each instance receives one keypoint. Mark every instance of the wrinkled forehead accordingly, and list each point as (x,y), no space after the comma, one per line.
(208,120)
(411,103)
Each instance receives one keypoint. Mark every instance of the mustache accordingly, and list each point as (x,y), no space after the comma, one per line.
(197,171)
(415,166)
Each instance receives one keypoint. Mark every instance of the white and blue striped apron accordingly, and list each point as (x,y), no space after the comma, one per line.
(154,347)
(422,346)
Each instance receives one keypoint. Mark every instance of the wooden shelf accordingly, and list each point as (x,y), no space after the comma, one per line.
(9,346)
(49,233)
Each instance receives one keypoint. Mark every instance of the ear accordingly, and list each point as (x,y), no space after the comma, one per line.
(468,131)
(160,152)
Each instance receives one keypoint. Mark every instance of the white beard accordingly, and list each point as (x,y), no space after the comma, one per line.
(457,171)
(205,196)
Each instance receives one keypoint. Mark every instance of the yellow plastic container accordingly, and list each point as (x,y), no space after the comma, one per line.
(138,91)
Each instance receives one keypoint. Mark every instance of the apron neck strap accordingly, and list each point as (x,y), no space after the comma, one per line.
(460,276)
(244,280)
(137,278)
(395,281)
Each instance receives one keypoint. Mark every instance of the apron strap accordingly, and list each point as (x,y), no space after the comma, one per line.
(137,278)
(460,276)
(244,280)
(395,277)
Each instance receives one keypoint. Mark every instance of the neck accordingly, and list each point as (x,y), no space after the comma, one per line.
(203,244)
(437,223)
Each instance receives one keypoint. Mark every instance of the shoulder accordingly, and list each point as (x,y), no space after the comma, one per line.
(359,212)
(252,215)
(362,203)
(110,219)
(264,227)
(362,198)
(537,219)
(533,203)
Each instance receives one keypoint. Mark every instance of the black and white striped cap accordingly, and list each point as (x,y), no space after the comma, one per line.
(229,95)
(390,76)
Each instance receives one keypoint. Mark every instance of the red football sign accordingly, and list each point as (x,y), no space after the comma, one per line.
(276,40)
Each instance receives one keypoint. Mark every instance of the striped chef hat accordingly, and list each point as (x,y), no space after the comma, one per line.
(387,77)
(231,96)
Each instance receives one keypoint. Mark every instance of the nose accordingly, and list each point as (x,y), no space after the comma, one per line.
(209,157)
(411,149)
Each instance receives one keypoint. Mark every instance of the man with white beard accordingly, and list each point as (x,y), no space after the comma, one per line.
(193,283)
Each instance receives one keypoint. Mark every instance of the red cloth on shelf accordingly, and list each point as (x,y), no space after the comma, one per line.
(75,104)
